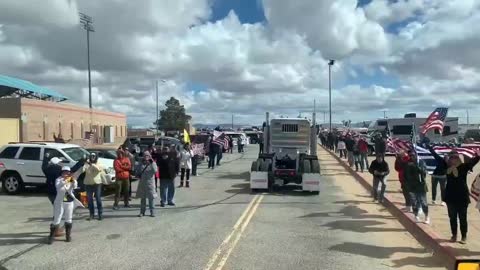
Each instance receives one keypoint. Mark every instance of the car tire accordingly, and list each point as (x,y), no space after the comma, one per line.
(12,183)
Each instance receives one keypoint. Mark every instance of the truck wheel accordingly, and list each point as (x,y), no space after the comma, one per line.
(254,166)
(260,164)
(266,165)
(306,166)
(315,166)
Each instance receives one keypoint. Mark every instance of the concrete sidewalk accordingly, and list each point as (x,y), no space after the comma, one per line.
(437,234)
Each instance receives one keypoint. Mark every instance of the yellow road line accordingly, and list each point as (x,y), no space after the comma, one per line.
(239,234)
(225,242)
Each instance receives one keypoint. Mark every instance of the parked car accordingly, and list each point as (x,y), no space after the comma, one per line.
(109,153)
(21,163)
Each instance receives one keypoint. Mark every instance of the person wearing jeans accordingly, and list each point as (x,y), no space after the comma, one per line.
(349,145)
(168,166)
(457,195)
(363,148)
(439,176)
(379,169)
(401,159)
(122,167)
(415,172)
(93,185)
(341,148)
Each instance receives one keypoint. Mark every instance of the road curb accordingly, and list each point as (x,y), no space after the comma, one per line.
(423,233)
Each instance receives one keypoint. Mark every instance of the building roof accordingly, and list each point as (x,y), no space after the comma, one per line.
(10,86)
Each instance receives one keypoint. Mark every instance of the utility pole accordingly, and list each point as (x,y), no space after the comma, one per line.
(384,113)
(468,119)
(87,23)
(330,64)
(232,120)
(156,115)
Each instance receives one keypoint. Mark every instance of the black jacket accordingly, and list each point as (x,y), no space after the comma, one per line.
(349,144)
(442,165)
(380,146)
(456,191)
(415,175)
(52,172)
(381,167)
(168,168)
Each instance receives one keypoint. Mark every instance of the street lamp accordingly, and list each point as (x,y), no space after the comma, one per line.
(156,100)
(87,23)
(330,64)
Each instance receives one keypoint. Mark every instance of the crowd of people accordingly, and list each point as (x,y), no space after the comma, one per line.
(156,172)
(450,174)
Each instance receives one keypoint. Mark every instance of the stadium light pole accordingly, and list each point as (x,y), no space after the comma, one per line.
(87,23)
(330,64)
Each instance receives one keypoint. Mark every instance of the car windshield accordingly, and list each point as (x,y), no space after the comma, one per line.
(75,153)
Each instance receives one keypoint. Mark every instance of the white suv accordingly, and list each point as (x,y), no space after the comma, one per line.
(21,163)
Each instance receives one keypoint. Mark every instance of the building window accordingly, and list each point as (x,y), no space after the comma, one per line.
(45,131)
(121,131)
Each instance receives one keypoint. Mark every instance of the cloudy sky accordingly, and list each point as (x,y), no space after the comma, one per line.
(245,57)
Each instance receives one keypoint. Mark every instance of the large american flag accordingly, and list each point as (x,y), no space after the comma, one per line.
(436,120)
(220,138)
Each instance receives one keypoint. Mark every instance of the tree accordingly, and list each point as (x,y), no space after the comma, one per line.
(173,117)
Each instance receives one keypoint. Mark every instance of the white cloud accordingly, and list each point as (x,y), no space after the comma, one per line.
(336,28)
(59,13)
(278,66)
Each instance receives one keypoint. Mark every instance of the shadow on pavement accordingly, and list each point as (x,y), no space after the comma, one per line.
(420,262)
(28,192)
(360,226)
(350,211)
(374,251)
(23,238)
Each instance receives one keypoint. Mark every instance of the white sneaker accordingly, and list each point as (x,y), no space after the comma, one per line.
(427,220)
(417,218)
(443,204)
(434,202)
(410,209)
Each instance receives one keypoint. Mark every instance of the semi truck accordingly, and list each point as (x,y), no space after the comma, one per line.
(289,156)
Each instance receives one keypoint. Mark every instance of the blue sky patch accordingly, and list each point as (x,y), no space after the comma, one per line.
(362,3)
(379,78)
(196,86)
(248,11)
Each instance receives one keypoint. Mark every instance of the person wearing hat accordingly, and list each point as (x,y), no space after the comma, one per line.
(146,185)
(186,156)
(52,170)
(93,185)
(64,204)
(457,195)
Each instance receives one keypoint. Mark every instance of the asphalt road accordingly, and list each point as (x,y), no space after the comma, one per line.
(219,224)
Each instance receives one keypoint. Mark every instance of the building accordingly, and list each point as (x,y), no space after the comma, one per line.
(29,112)
(140,132)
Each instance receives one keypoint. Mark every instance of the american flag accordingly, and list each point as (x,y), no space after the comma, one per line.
(442,150)
(435,120)
(220,139)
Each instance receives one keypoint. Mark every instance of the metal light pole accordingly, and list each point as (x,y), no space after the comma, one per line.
(87,23)
(157,116)
(330,64)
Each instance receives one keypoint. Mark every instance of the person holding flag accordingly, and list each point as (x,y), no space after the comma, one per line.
(415,173)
